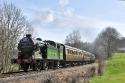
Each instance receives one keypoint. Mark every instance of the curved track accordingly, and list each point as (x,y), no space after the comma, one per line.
(22,73)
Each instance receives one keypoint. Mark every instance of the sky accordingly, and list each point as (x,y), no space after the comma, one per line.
(55,19)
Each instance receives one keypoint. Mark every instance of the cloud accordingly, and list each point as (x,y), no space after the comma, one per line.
(45,15)
(66,19)
(63,2)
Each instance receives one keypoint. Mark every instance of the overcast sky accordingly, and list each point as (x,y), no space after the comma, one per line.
(55,19)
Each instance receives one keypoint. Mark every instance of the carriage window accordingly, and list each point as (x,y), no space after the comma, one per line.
(78,53)
(71,52)
(68,51)
(75,52)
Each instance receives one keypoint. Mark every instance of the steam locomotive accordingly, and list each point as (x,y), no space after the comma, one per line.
(56,55)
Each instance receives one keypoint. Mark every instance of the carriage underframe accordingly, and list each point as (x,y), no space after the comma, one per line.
(44,64)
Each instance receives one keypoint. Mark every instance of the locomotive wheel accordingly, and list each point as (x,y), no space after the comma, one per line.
(25,67)
(51,65)
(64,65)
(72,64)
(44,66)
(34,67)
(56,65)
(39,66)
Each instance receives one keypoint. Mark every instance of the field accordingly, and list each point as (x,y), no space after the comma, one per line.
(114,70)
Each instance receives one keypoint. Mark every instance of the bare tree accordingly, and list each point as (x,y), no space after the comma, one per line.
(106,43)
(87,46)
(12,25)
(73,39)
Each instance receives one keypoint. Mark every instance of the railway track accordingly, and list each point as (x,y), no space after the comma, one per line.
(23,73)
(56,76)
(16,73)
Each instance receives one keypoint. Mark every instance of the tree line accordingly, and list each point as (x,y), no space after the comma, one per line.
(13,25)
(106,43)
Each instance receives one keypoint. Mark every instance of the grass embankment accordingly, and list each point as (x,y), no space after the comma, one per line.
(114,70)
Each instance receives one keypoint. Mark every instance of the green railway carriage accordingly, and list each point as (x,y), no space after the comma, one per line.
(54,53)
(54,50)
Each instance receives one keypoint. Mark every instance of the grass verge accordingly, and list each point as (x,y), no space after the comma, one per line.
(114,70)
